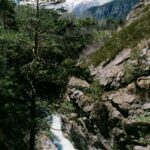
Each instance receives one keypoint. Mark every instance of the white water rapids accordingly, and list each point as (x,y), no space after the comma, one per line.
(59,140)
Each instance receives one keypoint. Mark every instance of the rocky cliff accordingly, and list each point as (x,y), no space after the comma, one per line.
(113,112)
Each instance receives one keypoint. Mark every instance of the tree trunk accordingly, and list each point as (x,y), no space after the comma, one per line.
(36,35)
(34,85)
(33,122)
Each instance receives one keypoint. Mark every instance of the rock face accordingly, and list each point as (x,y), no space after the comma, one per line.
(141,148)
(111,74)
(75,82)
(115,121)
(44,142)
(120,117)
(114,9)
(143,82)
(124,68)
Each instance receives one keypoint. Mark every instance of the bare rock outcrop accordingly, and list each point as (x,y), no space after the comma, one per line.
(111,74)
(141,148)
(75,82)
(143,82)
(126,66)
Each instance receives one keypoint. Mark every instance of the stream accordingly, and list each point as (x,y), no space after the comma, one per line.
(59,140)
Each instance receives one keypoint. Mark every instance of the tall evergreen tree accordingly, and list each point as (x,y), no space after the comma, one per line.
(36,62)
(34,82)
(7,13)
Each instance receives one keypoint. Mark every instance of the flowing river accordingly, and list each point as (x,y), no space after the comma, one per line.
(59,140)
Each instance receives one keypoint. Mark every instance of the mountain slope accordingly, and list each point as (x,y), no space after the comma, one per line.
(114,9)
(129,36)
(112,113)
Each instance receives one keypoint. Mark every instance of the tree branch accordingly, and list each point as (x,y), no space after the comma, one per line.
(26,43)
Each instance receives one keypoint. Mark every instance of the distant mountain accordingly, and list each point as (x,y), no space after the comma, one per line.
(114,9)
(76,7)
(82,5)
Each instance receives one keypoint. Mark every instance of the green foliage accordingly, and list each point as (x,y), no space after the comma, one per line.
(75,35)
(131,72)
(9,36)
(143,117)
(128,37)
(110,23)
(101,36)
(134,69)
(60,42)
(82,73)
(145,140)
(13,95)
(7,14)
(66,107)
(95,91)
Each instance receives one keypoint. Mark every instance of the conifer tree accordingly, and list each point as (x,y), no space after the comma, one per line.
(7,13)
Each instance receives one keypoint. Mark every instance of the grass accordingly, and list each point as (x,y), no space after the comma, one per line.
(128,37)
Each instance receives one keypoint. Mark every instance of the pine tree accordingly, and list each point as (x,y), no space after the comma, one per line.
(36,50)
(7,13)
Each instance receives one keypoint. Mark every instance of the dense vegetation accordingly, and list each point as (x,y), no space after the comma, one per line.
(38,49)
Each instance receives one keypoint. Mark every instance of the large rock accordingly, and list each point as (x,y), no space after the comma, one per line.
(146,106)
(122,100)
(75,82)
(141,148)
(111,74)
(82,100)
(143,82)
